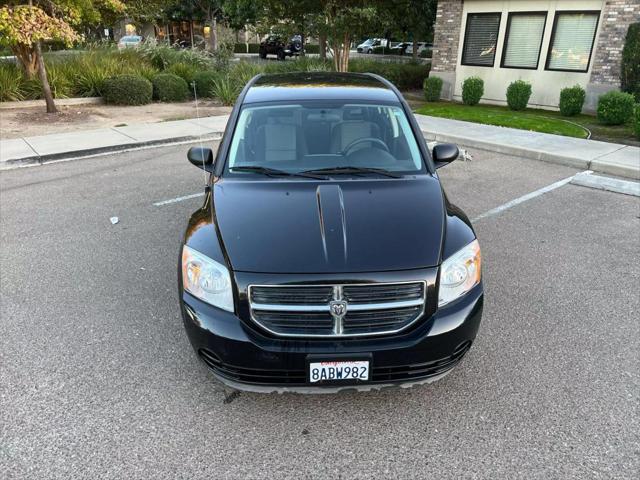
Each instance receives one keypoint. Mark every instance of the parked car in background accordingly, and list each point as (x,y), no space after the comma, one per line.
(129,41)
(399,48)
(275,45)
(422,47)
(368,45)
(326,255)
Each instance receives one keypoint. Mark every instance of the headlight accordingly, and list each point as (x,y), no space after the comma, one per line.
(206,279)
(459,273)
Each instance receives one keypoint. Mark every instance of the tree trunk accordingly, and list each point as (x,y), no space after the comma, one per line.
(213,35)
(322,46)
(46,88)
(415,48)
(27,58)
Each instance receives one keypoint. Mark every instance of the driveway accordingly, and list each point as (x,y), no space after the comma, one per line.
(97,377)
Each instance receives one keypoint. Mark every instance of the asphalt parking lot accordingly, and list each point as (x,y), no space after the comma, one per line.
(98,380)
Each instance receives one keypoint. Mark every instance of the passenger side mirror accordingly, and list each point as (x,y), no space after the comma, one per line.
(201,157)
(444,153)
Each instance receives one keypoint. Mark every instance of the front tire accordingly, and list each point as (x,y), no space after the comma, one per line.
(281,55)
(262,54)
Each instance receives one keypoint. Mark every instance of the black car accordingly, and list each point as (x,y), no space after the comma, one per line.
(326,254)
(275,45)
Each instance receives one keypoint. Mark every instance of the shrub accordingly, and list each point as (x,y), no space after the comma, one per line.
(630,63)
(226,89)
(637,121)
(184,70)
(59,76)
(244,71)
(127,90)
(571,100)
(404,75)
(472,90)
(204,83)
(311,48)
(518,94)
(615,108)
(432,89)
(11,83)
(168,87)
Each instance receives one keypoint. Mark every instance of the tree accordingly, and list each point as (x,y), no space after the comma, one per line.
(410,19)
(23,28)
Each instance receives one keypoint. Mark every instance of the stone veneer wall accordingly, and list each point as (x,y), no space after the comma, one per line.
(615,18)
(445,43)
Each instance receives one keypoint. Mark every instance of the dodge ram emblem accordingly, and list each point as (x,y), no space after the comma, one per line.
(338,308)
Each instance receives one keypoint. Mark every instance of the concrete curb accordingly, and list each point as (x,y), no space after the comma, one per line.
(508,150)
(91,152)
(61,102)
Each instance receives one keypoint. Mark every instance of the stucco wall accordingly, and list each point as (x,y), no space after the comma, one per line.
(546,84)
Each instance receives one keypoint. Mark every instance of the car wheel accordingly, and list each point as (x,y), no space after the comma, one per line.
(281,55)
(262,54)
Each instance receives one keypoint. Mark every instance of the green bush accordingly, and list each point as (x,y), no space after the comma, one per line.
(472,90)
(518,94)
(615,108)
(204,83)
(571,100)
(630,62)
(127,90)
(226,89)
(311,48)
(239,48)
(11,83)
(637,121)
(168,87)
(254,47)
(404,75)
(432,89)
(242,72)
(184,70)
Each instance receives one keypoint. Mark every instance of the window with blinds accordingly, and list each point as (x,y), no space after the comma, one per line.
(572,41)
(523,40)
(481,39)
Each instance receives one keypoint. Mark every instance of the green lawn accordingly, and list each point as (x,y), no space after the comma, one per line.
(544,121)
(501,116)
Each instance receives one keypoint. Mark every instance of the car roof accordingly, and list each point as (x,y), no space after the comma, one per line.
(319,86)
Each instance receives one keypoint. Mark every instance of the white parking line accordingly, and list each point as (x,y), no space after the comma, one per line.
(178,199)
(528,196)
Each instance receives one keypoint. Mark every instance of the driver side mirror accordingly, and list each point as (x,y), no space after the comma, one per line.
(201,157)
(444,153)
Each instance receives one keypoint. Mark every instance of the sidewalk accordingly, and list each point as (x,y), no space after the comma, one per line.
(610,158)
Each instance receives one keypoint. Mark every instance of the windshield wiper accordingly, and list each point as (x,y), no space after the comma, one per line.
(274,172)
(353,170)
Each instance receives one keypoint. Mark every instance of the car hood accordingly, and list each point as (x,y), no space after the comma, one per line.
(289,226)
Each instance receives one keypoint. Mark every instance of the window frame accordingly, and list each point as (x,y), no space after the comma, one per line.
(556,16)
(505,42)
(466,34)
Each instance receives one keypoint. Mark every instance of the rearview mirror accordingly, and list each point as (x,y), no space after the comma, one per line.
(201,157)
(444,154)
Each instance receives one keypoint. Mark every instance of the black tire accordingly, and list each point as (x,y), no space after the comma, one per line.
(281,54)
(296,46)
(262,54)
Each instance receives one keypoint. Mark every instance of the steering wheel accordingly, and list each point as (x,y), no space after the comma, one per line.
(358,141)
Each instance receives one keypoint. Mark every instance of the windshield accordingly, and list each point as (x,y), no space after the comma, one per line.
(307,136)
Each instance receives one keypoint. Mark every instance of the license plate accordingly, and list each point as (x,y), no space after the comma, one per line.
(338,371)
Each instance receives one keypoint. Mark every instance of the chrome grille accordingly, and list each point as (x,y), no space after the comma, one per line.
(336,310)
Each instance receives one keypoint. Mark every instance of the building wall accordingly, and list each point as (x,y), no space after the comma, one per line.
(605,74)
(445,43)
(546,85)
(604,67)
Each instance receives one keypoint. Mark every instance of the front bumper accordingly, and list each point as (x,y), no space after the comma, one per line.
(243,357)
